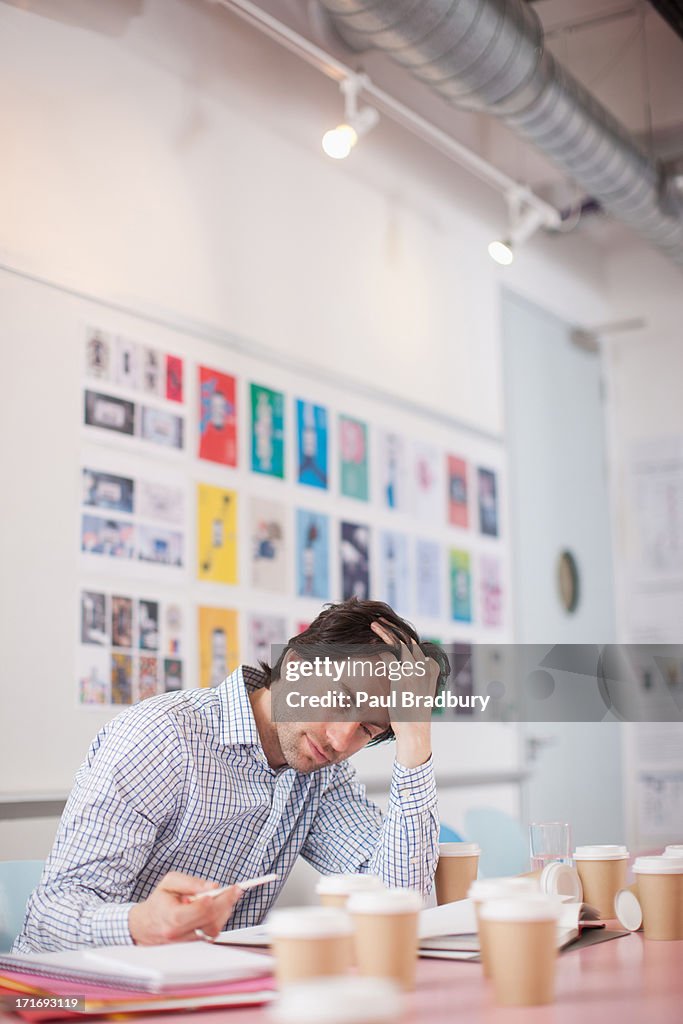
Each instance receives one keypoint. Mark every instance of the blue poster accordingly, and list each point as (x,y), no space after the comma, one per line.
(311,422)
(394,571)
(312,554)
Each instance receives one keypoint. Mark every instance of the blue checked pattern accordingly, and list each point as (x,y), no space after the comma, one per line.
(180,783)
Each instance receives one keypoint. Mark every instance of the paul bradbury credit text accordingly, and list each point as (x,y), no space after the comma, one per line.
(361,699)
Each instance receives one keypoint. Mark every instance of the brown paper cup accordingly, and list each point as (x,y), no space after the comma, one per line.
(522,951)
(310,942)
(601,881)
(386,934)
(333,900)
(481,892)
(335,890)
(660,893)
(456,870)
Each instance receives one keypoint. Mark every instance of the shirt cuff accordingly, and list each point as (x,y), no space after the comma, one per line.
(109,925)
(413,789)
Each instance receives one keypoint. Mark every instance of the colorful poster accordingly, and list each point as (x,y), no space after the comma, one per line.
(174,379)
(121,679)
(173,675)
(312,554)
(127,364)
(173,619)
(161,427)
(99,349)
(152,371)
(264,631)
(94,675)
(311,422)
(488,502)
(122,621)
(353,458)
(148,625)
(393,480)
(268,544)
(148,677)
(218,644)
(94,625)
(107,491)
(461,585)
(355,561)
(159,501)
(217,417)
(216,534)
(300,627)
(395,571)
(456,476)
(267,431)
(428,495)
(491,591)
(109,413)
(160,546)
(428,578)
(111,537)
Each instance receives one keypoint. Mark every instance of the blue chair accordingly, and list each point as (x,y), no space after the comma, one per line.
(18,879)
(503,841)
(447,835)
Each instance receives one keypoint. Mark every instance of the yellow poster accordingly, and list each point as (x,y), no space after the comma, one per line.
(216,534)
(218,644)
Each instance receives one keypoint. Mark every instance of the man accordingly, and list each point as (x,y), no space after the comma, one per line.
(202,788)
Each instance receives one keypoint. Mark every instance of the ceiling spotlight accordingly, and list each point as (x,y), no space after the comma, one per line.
(501,251)
(524,221)
(338,142)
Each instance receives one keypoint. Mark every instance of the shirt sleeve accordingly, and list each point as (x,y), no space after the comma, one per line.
(349,832)
(124,792)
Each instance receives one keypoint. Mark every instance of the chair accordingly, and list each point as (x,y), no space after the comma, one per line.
(503,841)
(448,835)
(18,879)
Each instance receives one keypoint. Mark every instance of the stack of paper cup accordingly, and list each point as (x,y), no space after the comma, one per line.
(456,870)
(522,948)
(310,942)
(334,890)
(660,892)
(480,892)
(602,870)
(675,850)
(339,1001)
(385,929)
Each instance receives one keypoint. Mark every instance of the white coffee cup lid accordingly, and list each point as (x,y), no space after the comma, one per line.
(664,865)
(385,901)
(559,879)
(674,851)
(627,910)
(522,908)
(495,888)
(338,1000)
(459,849)
(341,885)
(308,923)
(604,852)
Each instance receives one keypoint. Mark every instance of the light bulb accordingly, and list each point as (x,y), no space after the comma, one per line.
(339,141)
(501,252)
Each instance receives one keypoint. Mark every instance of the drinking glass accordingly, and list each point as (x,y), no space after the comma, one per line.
(549,841)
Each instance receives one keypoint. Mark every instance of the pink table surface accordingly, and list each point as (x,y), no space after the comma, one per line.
(625,981)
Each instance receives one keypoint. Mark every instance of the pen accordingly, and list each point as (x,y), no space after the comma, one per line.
(248,883)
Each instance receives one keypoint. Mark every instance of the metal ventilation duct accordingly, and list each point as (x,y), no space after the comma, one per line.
(488,55)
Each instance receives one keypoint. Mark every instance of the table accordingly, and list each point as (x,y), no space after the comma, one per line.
(624,981)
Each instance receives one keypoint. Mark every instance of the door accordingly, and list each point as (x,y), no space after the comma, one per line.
(559,504)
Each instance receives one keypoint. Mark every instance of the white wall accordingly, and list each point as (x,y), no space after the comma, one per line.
(171,161)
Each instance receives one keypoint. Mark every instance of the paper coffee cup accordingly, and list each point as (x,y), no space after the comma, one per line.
(675,850)
(602,870)
(385,929)
(310,942)
(456,870)
(486,889)
(522,949)
(339,1001)
(334,890)
(660,893)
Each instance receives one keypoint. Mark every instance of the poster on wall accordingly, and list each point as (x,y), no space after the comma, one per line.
(460,585)
(426,483)
(488,502)
(99,347)
(311,423)
(159,546)
(456,478)
(155,500)
(355,560)
(161,427)
(216,534)
(394,571)
(109,412)
(491,588)
(267,431)
(428,578)
(218,644)
(393,471)
(108,536)
(263,632)
(217,417)
(174,379)
(312,554)
(268,535)
(94,675)
(353,458)
(107,491)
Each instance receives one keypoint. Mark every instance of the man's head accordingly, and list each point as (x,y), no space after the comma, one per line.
(344,632)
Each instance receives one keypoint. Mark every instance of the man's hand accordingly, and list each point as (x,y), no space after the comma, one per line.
(413,738)
(167,916)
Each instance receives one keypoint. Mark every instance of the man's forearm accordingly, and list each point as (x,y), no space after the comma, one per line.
(70,918)
(414,746)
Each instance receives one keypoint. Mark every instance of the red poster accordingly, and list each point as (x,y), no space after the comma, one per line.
(174,379)
(217,417)
(457,491)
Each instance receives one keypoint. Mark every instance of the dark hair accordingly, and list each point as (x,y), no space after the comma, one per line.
(343,627)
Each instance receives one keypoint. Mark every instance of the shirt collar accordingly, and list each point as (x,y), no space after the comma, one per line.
(238,724)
